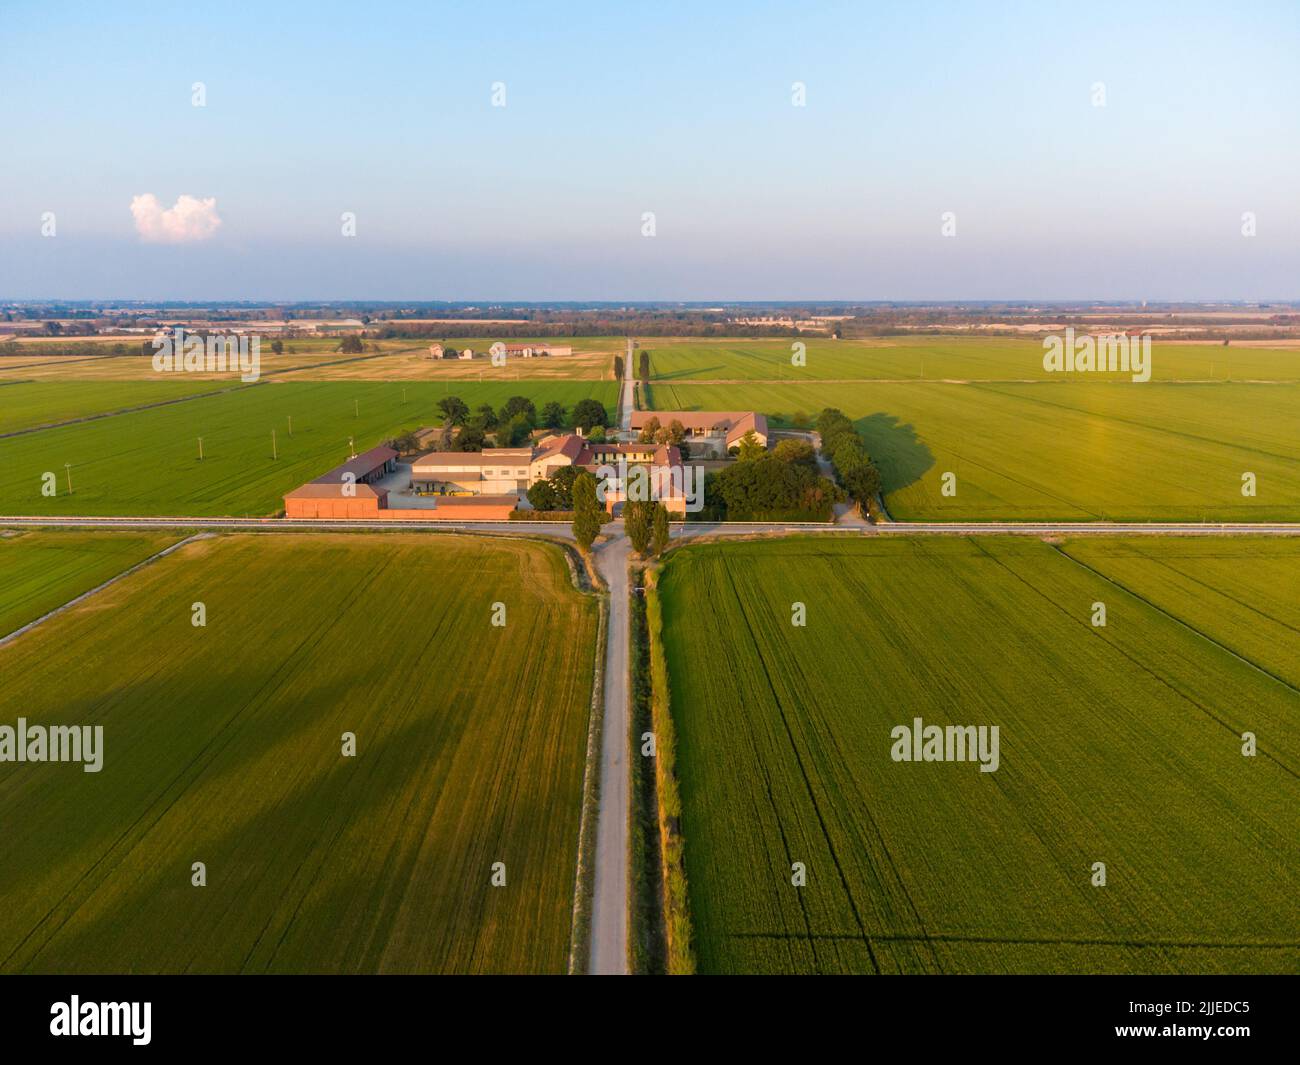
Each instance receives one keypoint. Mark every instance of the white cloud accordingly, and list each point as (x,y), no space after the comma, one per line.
(188,219)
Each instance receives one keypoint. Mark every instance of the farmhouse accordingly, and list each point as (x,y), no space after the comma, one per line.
(512,471)
(352,490)
(724,427)
(515,469)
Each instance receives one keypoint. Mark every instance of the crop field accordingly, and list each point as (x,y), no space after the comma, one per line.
(44,570)
(26,404)
(315,359)
(1119,744)
(301,356)
(580,345)
(223,745)
(940,359)
(1054,452)
(1241,594)
(417,366)
(147,463)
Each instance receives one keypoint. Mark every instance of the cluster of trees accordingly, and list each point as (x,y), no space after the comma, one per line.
(778,485)
(843,446)
(514,423)
(405,442)
(673,433)
(646,525)
(351,344)
(643,366)
(556,492)
(750,447)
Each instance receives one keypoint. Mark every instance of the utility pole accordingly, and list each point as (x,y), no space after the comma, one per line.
(291,425)
(352,447)
(275,454)
(403,395)
(68,466)
(200,449)
(356,408)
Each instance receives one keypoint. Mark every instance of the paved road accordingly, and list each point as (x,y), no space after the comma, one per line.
(691,530)
(625,401)
(694,530)
(609,904)
(552,528)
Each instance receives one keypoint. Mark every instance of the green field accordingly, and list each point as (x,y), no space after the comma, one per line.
(1064,451)
(222,746)
(45,570)
(1245,600)
(1118,745)
(147,463)
(936,358)
(24,404)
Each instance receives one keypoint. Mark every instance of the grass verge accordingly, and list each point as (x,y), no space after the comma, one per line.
(679,952)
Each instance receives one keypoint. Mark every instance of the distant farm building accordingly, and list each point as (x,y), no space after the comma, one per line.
(535,351)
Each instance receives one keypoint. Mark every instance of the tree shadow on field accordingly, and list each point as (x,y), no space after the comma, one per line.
(688,372)
(146,917)
(900,455)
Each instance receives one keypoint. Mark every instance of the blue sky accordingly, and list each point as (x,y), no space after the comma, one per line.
(682,109)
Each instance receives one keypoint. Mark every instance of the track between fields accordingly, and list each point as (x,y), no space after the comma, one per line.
(610,895)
